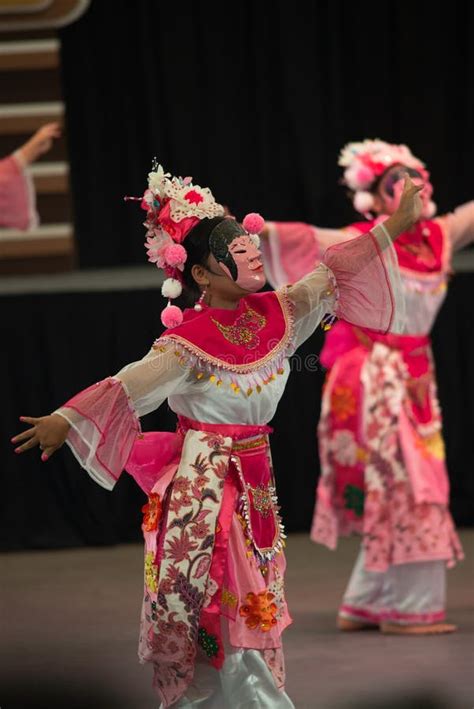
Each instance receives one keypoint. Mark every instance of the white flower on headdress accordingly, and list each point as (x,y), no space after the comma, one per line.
(188,200)
(157,180)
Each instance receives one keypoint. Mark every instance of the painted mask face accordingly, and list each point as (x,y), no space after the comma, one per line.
(391,187)
(248,259)
(237,255)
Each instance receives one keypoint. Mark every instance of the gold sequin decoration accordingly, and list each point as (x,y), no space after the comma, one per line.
(244,331)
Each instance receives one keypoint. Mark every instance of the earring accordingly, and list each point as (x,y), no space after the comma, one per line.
(198,305)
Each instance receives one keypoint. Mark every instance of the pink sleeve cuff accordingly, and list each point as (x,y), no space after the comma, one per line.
(367,279)
(104,428)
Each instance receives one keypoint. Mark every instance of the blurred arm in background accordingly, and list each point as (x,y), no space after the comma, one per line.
(17,192)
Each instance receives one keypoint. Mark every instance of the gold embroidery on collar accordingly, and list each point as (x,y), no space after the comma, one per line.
(244,331)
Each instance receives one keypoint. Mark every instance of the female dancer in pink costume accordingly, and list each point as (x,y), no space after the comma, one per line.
(383,470)
(17,194)
(214,607)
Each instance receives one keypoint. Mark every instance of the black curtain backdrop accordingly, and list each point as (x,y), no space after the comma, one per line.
(255,100)
(58,344)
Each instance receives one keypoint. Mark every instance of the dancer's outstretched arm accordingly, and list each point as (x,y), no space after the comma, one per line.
(291,250)
(459,225)
(101,422)
(358,279)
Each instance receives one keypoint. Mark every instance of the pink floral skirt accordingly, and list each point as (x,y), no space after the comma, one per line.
(214,562)
(383,471)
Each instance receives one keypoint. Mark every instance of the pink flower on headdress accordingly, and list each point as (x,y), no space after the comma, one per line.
(155,251)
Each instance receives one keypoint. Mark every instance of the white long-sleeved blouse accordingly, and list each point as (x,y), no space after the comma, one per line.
(356,282)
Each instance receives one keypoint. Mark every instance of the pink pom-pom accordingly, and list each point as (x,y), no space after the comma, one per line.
(253,223)
(363,202)
(172,316)
(358,177)
(175,255)
(364,177)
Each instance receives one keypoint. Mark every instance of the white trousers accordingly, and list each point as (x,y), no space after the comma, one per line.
(243,682)
(407,594)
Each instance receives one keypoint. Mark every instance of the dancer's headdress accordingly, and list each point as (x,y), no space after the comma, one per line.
(174,205)
(367,161)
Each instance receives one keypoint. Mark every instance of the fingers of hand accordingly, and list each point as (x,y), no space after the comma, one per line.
(29,419)
(31,443)
(48,452)
(24,435)
(410,187)
(52,130)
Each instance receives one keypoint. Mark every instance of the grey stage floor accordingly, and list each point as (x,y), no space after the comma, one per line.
(69,635)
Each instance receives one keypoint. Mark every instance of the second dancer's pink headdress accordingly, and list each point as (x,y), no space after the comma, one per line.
(365,162)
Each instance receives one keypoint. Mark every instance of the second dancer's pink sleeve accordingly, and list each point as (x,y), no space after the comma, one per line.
(294,249)
(459,225)
(368,281)
(17,195)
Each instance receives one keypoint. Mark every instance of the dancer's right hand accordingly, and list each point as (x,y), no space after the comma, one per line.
(47,432)
(410,202)
(408,211)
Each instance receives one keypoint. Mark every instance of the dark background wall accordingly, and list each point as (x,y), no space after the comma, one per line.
(254,99)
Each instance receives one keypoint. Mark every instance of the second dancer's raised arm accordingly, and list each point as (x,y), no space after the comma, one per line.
(358,279)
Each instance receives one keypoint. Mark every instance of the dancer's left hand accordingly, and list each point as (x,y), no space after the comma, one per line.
(47,432)
(40,142)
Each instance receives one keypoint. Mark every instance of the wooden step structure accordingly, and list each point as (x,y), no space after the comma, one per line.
(30,96)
